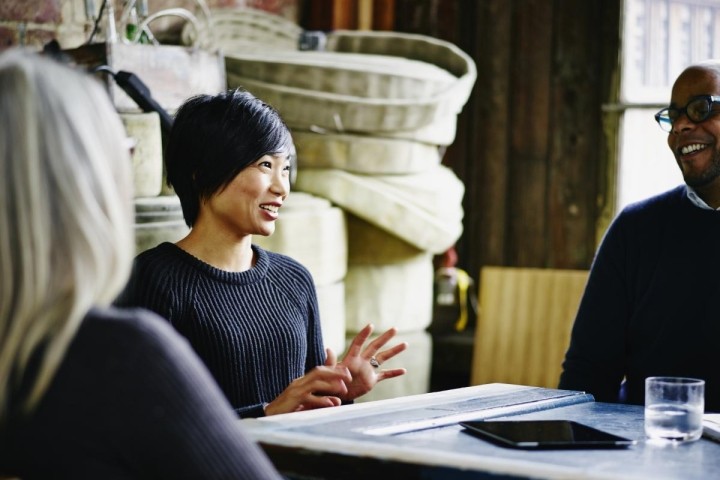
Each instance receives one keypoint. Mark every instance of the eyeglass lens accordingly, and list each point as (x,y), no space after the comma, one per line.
(697,110)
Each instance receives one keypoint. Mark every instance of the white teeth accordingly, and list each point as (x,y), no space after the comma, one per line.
(691,148)
(270,208)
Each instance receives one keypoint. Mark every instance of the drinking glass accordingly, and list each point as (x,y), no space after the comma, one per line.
(674,408)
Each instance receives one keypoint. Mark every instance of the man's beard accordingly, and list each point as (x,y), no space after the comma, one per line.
(705,177)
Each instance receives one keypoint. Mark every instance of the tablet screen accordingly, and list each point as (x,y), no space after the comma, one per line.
(544,434)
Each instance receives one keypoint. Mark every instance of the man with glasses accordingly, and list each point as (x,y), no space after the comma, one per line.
(652,302)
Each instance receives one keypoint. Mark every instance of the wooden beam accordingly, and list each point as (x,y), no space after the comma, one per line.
(365,14)
(383,15)
(330,15)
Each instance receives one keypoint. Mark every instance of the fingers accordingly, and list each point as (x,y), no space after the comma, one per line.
(331,358)
(356,346)
(312,402)
(319,402)
(321,387)
(285,404)
(386,355)
(359,340)
(391,373)
(373,349)
(336,374)
(316,401)
(381,340)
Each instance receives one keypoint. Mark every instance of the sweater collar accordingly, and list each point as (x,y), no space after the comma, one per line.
(255,274)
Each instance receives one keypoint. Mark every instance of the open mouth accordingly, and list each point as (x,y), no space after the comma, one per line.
(270,208)
(692,148)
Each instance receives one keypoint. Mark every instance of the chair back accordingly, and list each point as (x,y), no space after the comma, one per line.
(524,321)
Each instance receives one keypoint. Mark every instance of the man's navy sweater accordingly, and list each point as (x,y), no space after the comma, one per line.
(652,303)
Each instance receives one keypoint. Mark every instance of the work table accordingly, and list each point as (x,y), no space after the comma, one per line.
(419,437)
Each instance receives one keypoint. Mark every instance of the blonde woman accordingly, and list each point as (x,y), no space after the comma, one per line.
(88,390)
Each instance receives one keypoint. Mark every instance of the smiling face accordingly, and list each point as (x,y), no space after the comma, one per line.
(696,146)
(249,204)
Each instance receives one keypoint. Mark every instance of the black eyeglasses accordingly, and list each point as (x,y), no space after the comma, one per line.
(697,110)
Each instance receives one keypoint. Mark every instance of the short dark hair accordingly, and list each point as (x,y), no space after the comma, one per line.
(213,138)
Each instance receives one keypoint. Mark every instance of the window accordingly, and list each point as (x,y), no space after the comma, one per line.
(661,37)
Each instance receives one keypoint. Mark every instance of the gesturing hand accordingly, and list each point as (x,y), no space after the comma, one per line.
(323,386)
(358,361)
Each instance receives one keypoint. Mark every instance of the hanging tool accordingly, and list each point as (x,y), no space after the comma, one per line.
(140,93)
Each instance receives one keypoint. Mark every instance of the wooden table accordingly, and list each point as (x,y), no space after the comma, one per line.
(419,437)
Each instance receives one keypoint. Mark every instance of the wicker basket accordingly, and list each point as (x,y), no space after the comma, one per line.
(351,74)
(370,245)
(423,209)
(243,29)
(335,103)
(364,154)
(417,47)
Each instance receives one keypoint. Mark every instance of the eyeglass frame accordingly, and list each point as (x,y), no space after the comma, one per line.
(710,99)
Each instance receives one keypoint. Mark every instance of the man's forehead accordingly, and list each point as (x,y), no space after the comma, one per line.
(705,72)
(695,81)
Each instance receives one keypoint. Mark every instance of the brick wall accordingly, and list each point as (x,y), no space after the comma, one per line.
(33,23)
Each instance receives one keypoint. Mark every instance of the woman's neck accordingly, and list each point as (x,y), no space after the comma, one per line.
(220,251)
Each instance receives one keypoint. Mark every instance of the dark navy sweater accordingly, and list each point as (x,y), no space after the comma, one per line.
(130,400)
(257,330)
(652,302)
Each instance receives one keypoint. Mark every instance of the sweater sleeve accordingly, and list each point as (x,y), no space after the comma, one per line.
(595,359)
(305,296)
(316,347)
(132,400)
(251,411)
(188,428)
(149,287)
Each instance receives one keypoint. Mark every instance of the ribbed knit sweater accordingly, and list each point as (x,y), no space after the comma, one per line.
(652,302)
(257,330)
(130,400)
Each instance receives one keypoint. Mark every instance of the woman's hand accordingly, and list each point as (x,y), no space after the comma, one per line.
(359,361)
(321,387)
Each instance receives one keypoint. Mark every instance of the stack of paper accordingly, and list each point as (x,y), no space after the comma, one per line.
(711,426)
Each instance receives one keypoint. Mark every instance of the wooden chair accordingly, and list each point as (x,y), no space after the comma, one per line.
(524,321)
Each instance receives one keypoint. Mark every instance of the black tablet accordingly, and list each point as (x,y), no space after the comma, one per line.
(544,434)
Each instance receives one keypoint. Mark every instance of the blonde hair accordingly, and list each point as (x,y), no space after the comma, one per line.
(66,230)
